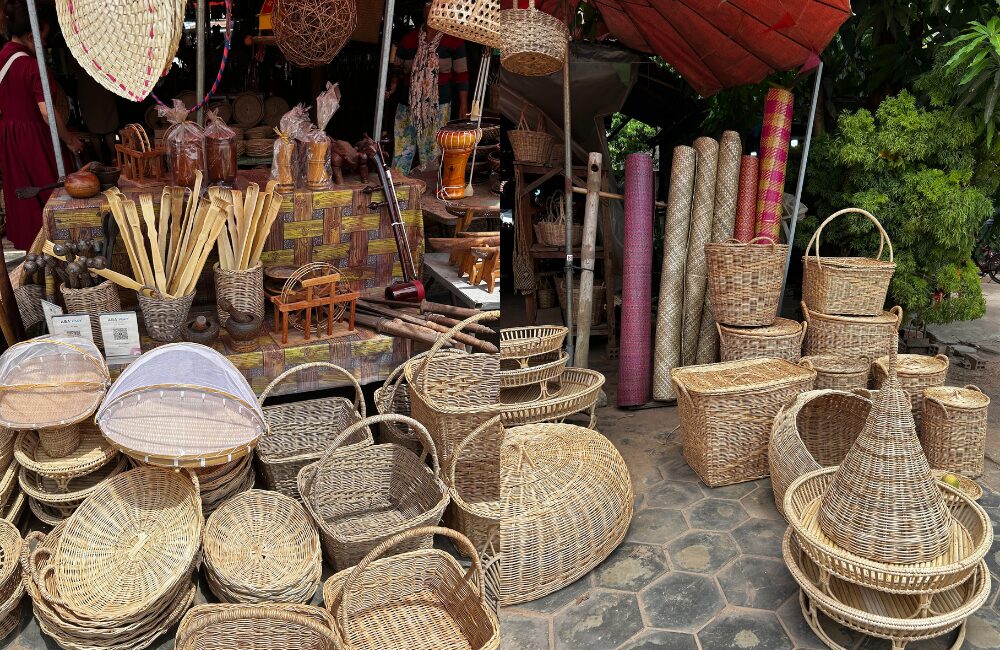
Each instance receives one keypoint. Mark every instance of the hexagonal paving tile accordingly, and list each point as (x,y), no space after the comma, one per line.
(757,583)
(702,551)
(556,601)
(715,514)
(982,631)
(993,557)
(761,536)
(523,632)
(673,467)
(682,601)
(734,491)
(631,567)
(662,640)
(990,498)
(746,630)
(760,503)
(673,494)
(656,526)
(605,620)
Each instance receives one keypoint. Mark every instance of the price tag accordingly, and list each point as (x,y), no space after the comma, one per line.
(120,332)
(72,325)
(50,309)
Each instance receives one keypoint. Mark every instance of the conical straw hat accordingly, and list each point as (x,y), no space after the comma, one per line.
(883,504)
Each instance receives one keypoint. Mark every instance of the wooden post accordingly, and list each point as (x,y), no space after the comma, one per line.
(588,253)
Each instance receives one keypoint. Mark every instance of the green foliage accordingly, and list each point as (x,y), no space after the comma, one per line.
(913,168)
(634,137)
(977,60)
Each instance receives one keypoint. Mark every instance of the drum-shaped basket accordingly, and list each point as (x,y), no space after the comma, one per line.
(577,390)
(814,431)
(553,535)
(164,317)
(916,373)
(531,146)
(780,340)
(838,372)
(444,606)
(262,547)
(525,342)
(853,336)
(533,43)
(265,626)
(847,286)
(471,20)
(474,481)
(97,300)
(299,432)
(744,281)
(532,370)
(954,434)
(244,288)
(727,411)
(363,494)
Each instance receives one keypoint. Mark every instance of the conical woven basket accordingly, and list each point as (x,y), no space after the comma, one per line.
(472,20)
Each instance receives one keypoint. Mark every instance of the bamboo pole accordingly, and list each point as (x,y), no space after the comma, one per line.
(609,195)
(588,253)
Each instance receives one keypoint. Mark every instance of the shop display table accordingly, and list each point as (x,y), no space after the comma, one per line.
(436,266)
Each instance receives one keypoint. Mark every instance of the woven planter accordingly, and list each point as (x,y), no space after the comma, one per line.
(852,336)
(851,286)
(780,340)
(531,147)
(29,303)
(916,372)
(244,288)
(471,20)
(838,372)
(954,434)
(600,300)
(533,43)
(164,317)
(268,626)
(744,281)
(727,411)
(102,299)
(474,482)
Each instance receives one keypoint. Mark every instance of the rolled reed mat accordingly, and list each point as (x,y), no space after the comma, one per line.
(634,379)
(774,138)
(670,310)
(695,278)
(746,199)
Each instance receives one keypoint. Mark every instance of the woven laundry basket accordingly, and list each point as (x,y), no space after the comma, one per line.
(838,372)
(265,626)
(744,280)
(954,429)
(473,479)
(780,340)
(727,411)
(853,336)
(916,372)
(533,43)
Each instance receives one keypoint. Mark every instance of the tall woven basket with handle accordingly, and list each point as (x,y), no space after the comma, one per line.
(744,281)
(531,146)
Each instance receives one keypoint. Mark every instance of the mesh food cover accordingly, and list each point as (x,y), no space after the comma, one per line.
(50,381)
(184,405)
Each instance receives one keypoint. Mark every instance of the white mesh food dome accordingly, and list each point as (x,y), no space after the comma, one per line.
(50,381)
(182,404)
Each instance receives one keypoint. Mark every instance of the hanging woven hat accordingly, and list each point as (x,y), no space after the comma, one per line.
(883,503)
(311,32)
(473,20)
(532,42)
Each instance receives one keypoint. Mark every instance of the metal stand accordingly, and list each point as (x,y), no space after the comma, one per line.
(36,34)
(383,70)
(568,191)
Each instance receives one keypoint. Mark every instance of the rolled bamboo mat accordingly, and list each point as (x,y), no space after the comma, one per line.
(774,138)
(746,199)
(727,180)
(670,312)
(634,357)
(695,278)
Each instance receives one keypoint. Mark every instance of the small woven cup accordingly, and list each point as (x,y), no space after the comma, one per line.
(164,317)
(244,288)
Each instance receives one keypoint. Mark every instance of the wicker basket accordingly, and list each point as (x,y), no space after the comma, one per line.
(360,496)
(299,432)
(262,547)
(954,434)
(11,585)
(525,342)
(164,317)
(531,147)
(853,336)
(533,43)
(838,372)
(444,606)
(850,286)
(598,313)
(553,233)
(744,281)
(780,340)
(966,485)
(29,303)
(727,411)
(267,626)
(471,20)
(259,147)
(474,481)
(533,371)
(916,372)
(67,497)
(577,390)
(815,430)
(93,452)
(545,295)
(219,483)
(259,132)
(102,299)
(244,288)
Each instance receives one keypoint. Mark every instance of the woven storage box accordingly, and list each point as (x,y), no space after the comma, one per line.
(474,482)
(727,411)
(164,317)
(531,147)
(268,626)
(102,299)
(853,336)
(838,372)
(533,43)
(244,288)
(299,432)
(954,433)
(814,431)
(744,281)
(852,286)
(443,604)
(916,372)
(600,299)
(780,340)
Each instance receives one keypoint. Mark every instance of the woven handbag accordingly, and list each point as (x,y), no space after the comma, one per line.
(267,626)
(531,147)
(471,20)
(533,43)
(744,281)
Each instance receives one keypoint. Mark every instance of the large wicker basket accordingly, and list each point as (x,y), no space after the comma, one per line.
(727,411)
(916,372)
(850,286)
(838,372)
(244,288)
(102,299)
(782,339)
(531,147)
(474,481)
(533,43)
(268,626)
(954,435)
(744,281)
(853,336)
(471,20)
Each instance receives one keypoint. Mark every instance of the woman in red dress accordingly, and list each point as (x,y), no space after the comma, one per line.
(26,155)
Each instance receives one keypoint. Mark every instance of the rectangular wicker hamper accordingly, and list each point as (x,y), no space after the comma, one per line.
(727,411)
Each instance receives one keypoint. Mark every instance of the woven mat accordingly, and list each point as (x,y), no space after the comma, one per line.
(634,384)
(695,277)
(774,138)
(746,199)
(669,314)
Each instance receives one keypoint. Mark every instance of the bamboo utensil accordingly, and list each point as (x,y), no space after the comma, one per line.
(245,231)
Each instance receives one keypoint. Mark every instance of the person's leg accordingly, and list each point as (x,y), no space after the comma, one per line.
(404,140)
(427,141)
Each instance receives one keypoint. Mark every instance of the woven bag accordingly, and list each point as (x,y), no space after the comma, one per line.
(954,435)
(838,372)
(471,20)
(474,482)
(916,372)
(782,339)
(267,626)
(533,43)
(853,336)
(531,147)
(851,286)
(744,281)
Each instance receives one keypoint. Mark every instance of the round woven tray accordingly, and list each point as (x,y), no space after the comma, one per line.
(578,390)
(532,370)
(248,110)
(521,342)
(274,108)
(93,452)
(49,515)
(966,485)
(51,492)
(14,507)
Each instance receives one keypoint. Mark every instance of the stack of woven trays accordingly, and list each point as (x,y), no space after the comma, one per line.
(11,585)
(536,385)
(217,483)
(11,499)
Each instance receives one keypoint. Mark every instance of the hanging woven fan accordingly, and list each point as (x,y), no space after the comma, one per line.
(124,44)
(311,32)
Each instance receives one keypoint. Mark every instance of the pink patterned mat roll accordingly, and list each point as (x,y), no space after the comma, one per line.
(634,358)
(774,138)
(746,201)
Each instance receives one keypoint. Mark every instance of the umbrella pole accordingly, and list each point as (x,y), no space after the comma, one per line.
(36,35)
(383,71)
(568,191)
(800,181)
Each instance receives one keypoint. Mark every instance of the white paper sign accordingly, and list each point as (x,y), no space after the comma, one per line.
(72,325)
(120,332)
(50,309)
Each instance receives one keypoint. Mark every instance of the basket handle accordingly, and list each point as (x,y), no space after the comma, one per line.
(192,626)
(883,236)
(805,310)
(460,541)
(766,240)
(359,396)
(395,378)
(522,123)
(807,364)
(446,338)
(802,335)
(457,451)
(897,311)
(973,387)
(307,484)
(944,358)
(30,565)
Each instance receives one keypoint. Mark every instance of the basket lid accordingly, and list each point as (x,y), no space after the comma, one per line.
(909,365)
(953,397)
(780,327)
(738,376)
(836,364)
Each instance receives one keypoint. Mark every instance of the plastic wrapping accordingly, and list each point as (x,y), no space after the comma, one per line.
(327,103)
(285,164)
(185,143)
(317,158)
(220,150)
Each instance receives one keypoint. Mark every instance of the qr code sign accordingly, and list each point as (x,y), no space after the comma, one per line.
(119,334)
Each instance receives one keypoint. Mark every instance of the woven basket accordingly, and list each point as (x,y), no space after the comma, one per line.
(525,342)
(838,372)
(954,434)
(471,20)
(966,485)
(300,431)
(244,288)
(553,233)
(491,573)
(780,340)
(164,317)
(545,295)
(850,286)
(744,281)
(474,481)
(727,411)
(360,496)
(262,547)
(260,147)
(533,43)
(93,452)
(29,303)
(600,296)
(259,132)
(267,626)
(444,604)
(102,299)
(853,336)
(68,497)
(577,390)
(531,147)
(11,586)
(815,430)
(8,484)
(537,370)
(219,483)
(916,372)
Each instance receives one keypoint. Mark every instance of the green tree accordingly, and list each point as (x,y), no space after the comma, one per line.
(632,137)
